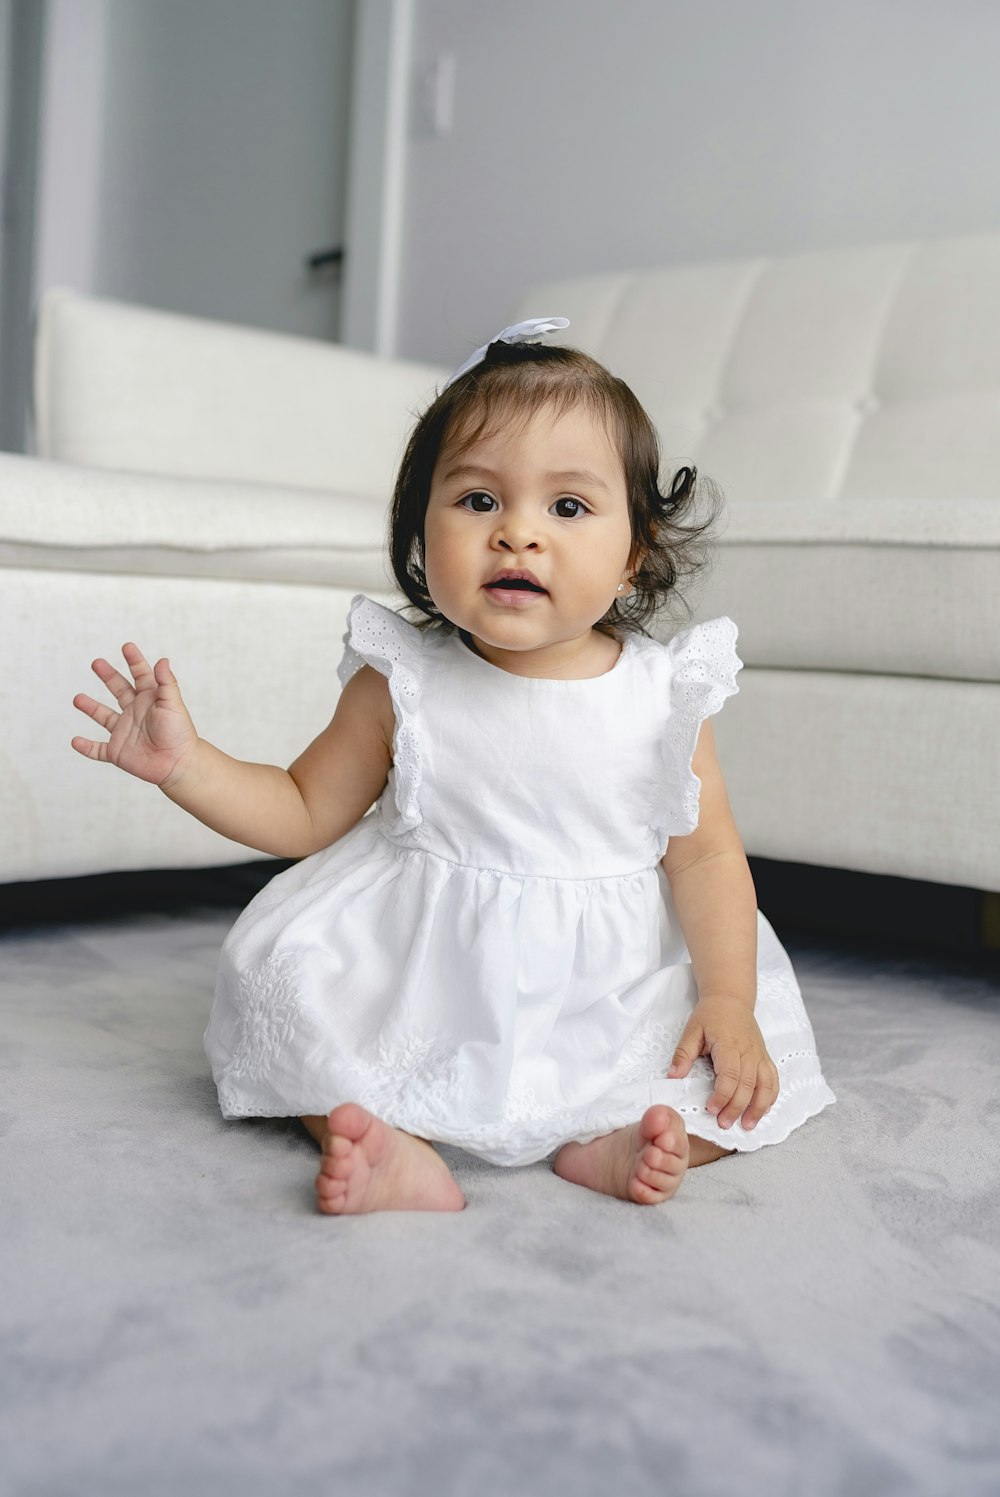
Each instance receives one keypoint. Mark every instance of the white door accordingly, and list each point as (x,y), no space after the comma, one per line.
(224,155)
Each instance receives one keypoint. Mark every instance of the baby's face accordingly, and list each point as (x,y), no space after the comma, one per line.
(548,499)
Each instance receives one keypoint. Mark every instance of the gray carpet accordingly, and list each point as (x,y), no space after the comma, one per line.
(819,1317)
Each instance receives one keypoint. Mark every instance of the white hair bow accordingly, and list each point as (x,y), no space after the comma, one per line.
(518,332)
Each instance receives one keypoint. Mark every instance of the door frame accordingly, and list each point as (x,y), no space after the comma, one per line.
(376,173)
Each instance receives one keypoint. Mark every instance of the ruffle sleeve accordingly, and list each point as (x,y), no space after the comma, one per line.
(378,637)
(703,665)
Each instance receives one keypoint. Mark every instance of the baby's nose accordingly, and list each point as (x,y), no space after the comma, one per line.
(517,533)
(514,543)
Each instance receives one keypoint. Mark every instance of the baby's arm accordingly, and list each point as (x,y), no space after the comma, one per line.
(716,903)
(288,813)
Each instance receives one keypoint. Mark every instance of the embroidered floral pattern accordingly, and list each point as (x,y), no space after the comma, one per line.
(649,1051)
(779,995)
(521,1105)
(266,1000)
(419,1076)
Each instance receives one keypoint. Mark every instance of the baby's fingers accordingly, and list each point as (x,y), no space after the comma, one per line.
(89,749)
(727,1077)
(123,691)
(142,671)
(742,1094)
(103,715)
(765,1094)
(167,687)
(690,1046)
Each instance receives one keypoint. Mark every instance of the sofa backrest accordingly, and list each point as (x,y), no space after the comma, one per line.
(129,388)
(869,373)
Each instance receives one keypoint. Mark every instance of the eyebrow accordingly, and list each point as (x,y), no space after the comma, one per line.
(568,475)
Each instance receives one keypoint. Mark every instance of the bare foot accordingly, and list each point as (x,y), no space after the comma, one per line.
(370,1166)
(644,1162)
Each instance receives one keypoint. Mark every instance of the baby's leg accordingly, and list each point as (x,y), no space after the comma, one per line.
(644,1162)
(370,1166)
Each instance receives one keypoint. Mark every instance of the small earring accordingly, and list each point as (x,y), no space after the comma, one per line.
(621,587)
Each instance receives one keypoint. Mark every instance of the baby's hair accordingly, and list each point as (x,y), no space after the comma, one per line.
(513,382)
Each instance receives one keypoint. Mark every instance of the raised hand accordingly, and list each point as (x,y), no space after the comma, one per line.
(151,734)
(746,1078)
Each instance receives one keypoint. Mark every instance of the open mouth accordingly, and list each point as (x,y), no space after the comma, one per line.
(514,584)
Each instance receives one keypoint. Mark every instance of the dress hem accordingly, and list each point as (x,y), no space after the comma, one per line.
(493,1152)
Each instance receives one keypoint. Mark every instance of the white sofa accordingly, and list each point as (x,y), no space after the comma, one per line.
(218,494)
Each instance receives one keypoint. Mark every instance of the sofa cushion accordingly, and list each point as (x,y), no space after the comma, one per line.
(890,588)
(868,373)
(56,517)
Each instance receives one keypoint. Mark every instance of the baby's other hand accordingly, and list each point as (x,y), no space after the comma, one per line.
(746,1078)
(152,734)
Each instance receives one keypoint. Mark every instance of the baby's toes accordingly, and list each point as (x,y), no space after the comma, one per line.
(670,1148)
(338,1162)
(330,1194)
(656,1179)
(337,1144)
(674,1165)
(657,1158)
(645,1195)
(329,1184)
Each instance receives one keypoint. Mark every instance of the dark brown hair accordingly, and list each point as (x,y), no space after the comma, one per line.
(512,383)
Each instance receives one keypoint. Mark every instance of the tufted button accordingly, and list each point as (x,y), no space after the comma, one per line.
(714,413)
(866,405)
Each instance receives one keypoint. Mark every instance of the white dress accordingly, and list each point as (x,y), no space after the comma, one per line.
(491,957)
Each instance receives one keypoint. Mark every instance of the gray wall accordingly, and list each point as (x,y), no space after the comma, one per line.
(593,136)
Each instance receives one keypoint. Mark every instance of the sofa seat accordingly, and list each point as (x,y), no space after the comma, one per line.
(905,589)
(58,517)
(898,588)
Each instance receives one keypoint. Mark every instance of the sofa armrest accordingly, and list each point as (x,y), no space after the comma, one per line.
(209,574)
(130,388)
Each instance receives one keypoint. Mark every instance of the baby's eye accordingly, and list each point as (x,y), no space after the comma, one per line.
(478,502)
(570,514)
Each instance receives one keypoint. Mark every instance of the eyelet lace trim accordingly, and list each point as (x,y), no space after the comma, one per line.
(705,664)
(378,637)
